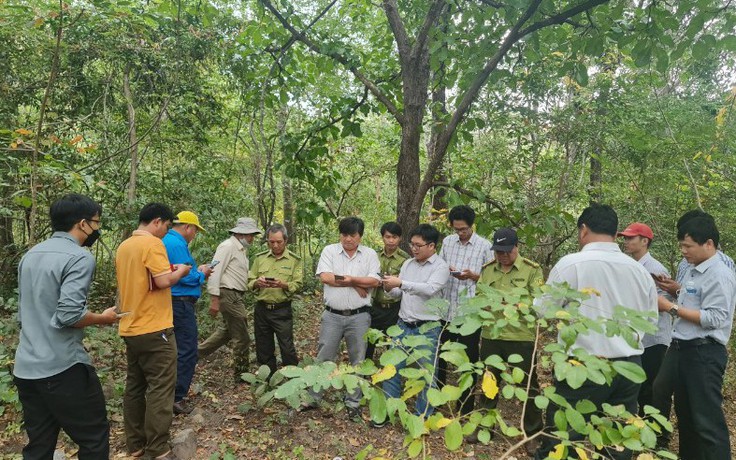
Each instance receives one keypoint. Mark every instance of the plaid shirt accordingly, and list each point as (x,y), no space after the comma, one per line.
(469,256)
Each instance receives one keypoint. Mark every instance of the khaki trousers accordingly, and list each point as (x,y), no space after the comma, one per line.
(234,326)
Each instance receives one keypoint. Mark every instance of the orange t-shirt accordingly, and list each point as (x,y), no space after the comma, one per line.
(140,259)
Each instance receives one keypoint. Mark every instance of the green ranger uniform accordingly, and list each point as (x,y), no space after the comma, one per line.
(385,309)
(273,313)
(525,274)
(519,340)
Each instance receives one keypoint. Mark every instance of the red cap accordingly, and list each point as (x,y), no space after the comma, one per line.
(638,229)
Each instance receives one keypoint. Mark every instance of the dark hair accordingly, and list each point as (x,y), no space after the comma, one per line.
(351,225)
(391,227)
(462,212)
(70,209)
(700,229)
(692,215)
(426,232)
(153,211)
(277,228)
(599,218)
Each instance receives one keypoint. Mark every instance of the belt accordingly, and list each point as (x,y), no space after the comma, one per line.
(678,344)
(234,290)
(417,324)
(386,304)
(274,306)
(185,298)
(354,311)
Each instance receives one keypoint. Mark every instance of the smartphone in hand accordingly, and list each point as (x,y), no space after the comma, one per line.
(213,264)
(339,277)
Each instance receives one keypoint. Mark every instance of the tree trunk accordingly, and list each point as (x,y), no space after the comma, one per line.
(439,112)
(595,187)
(133,141)
(289,209)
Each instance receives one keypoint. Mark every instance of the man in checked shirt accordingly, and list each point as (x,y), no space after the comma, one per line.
(465,252)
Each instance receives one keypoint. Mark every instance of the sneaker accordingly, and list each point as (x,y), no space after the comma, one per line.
(180,407)
(381,424)
(355,414)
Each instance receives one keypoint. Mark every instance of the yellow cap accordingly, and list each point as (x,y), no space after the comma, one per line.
(188,217)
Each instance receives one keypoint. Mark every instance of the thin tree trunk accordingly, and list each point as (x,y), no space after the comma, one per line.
(289,213)
(133,141)
(41,116)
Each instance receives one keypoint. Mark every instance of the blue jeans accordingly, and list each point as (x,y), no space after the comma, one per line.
(185,331)
(392,386)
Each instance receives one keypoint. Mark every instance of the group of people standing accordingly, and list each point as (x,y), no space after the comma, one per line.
(159,283)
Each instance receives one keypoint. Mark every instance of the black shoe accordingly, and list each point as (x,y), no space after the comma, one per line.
(181,408)
(355,414)
(375,424)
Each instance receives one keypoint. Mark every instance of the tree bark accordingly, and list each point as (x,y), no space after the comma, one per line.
(133,141)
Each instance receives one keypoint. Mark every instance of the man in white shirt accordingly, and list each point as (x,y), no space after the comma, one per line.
(349,271)
(617,280)
(421,278)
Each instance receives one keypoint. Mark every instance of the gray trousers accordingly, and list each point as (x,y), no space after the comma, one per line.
(333,328)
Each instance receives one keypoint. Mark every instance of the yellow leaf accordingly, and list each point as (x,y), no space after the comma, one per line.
(574,363)
(443,422)
(645,457)
(557,453)
(75,140)
(581,453)
(23,132)
(558,54)
(636,421)
(591,291)
(562,314)
(490,387)
(384,374)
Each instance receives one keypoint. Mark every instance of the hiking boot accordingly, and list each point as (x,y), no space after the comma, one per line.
(180,407)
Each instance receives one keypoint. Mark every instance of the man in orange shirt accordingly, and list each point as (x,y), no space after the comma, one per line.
(147,326)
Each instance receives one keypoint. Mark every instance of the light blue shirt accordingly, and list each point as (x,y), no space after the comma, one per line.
(664,321)
(711,288)
(53,282)
(177,249)
(682,267)
(421,282)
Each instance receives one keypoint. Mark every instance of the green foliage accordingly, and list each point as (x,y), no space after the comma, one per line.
(556,310)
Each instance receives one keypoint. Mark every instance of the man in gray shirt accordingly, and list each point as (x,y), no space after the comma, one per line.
(421,278)
(57,385)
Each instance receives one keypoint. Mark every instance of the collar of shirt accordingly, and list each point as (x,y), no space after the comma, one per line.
(430,260)
(357,251)
(645,258)
(516,265)
(66,236)
(393,255)
(284,255)
(177,235)
(237,243)
(706,264)
(472,240)
(141,233)
(601,246)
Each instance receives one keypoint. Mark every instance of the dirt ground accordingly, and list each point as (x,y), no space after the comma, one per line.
(229,425)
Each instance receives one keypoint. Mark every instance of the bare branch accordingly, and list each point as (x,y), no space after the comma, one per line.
(492,3)
(435,11)
(397,27)
(562,17)
(372,87)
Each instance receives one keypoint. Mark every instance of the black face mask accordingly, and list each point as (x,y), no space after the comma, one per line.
(91,238)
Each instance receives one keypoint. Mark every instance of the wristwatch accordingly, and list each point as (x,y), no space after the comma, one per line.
(673,310)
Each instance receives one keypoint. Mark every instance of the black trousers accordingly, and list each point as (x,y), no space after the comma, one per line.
(533,422)
(698,384)
(663,389)
(71,400)
(382,318)
(266,323)
(472,349)
(651,362)
(620,391)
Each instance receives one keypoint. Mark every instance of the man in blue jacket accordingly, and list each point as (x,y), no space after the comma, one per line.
(184,295)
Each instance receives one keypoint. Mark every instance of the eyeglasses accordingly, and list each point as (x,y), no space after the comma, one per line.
(97,221)
(419,246)
(461,230)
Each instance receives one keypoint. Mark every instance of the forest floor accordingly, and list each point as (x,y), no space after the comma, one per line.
(229,425)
